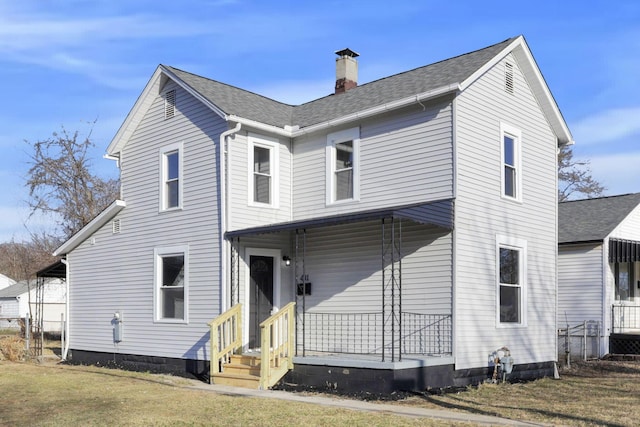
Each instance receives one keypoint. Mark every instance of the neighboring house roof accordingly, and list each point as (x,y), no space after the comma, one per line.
(448,76)
(13,291)
(6,281)
(593,219)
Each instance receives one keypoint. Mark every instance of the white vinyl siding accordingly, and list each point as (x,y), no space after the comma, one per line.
(580,283)
(343,265)
(405,157)
(127,285)
(243,212)
(482,213)
(629,228)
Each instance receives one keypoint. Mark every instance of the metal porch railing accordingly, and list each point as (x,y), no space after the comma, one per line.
(625,318)
(362,333)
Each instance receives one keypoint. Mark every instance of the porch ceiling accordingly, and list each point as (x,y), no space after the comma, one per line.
(439,213)
(56,270)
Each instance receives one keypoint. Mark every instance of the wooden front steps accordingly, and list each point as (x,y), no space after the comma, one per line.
(242,371)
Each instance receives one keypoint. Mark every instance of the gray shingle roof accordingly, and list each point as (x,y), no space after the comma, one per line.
(593,219)
(14,290)
(235,101)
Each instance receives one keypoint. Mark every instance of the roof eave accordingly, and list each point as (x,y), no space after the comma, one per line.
(93,226)
(379,109)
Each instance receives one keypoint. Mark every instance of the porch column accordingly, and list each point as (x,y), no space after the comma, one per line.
(300,288)
(235,272)
(391,252)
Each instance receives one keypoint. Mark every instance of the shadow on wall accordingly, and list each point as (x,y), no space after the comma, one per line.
(197,358)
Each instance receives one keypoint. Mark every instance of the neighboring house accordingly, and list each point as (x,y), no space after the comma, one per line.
(599,269)
(6,281)
(14,304)
(412,221)
(15,300)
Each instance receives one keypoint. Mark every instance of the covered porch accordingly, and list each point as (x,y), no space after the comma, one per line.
(372,290)
(624,259)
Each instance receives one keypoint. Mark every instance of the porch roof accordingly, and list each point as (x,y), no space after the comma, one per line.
(439,213)
(621,250)
(56,270)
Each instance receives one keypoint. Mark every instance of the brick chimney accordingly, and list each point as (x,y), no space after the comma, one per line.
(346,70)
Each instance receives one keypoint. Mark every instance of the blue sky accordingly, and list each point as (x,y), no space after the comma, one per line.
(70,62)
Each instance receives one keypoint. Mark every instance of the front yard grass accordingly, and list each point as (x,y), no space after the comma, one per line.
(62,395)
(592,393)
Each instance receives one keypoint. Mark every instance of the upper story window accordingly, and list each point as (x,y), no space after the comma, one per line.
(263,171)
(511,170)
(171,179)
(169,104)
(511,268)
(343,182)
(171,287)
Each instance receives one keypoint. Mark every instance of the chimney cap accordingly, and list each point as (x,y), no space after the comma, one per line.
(347,52)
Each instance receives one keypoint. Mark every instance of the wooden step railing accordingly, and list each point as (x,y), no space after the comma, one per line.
(277,344)
(226,338)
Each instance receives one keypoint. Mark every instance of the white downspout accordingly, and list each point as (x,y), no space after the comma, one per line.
(224,213)
(67,341)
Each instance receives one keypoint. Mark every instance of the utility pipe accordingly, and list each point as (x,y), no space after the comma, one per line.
(224,212)
(65,350)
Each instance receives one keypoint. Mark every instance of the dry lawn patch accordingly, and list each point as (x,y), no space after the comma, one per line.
(12,348)
(589,394)
(61,395)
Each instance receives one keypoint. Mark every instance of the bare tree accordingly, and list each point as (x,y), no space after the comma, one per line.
(574,177)
(61,183)
(21,260)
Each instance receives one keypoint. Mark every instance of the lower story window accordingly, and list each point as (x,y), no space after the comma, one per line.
(171,284)
(511,254)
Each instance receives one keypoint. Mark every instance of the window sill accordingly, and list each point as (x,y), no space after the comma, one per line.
(343,202)
(172,321)
(511,199)
(179,208)
(263,205)
(511,325)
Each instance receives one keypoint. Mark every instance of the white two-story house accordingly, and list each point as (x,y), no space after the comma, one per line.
(405,227)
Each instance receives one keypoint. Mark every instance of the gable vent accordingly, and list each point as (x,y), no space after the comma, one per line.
(115,226)
(169,104)
(508,77)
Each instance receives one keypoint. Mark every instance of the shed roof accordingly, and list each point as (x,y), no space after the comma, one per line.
(590,220)
(13,291)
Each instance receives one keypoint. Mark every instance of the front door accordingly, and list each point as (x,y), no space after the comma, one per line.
(260,295)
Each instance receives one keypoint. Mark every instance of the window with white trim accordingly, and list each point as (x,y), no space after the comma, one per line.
(171,284)
(510,155)
(171,177)
(511,255)
(343,152)
(263,171)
